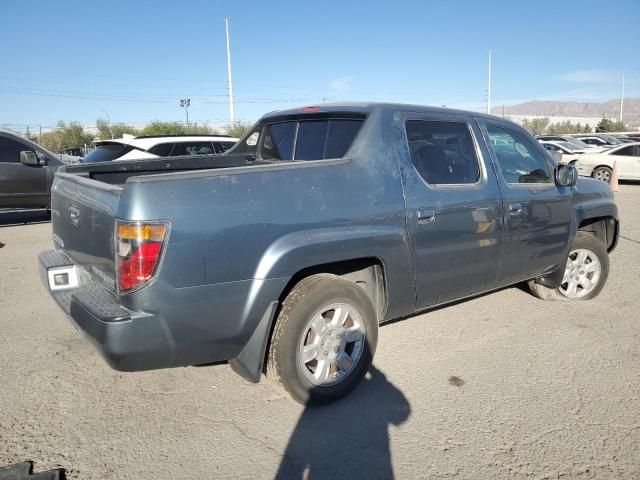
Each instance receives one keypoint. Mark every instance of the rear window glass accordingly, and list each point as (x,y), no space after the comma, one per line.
(224,146)
(313,139)
(107,152)
(278,141)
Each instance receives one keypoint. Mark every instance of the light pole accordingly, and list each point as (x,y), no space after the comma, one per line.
(108,122)
(184,103)
(232,115)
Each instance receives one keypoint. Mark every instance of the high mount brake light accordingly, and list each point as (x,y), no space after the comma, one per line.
(138,251)
(309,109)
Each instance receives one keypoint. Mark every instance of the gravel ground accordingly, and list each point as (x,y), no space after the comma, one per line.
(500,386)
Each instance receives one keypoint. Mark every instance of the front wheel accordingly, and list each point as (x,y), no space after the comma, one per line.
(602,173)
(324,339)
(585,273)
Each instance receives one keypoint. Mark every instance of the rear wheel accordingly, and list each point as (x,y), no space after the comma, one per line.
(602,173)
(324,339)
(585,273)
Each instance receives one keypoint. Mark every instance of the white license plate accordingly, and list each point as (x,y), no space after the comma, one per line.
(63,278)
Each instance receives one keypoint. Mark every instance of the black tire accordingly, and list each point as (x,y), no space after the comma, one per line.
(306,299)
(602,173)
(586,241)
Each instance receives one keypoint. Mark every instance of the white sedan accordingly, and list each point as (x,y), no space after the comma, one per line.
(567,152)
(600,165)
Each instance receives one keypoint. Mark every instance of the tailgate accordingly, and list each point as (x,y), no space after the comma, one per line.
(83,217)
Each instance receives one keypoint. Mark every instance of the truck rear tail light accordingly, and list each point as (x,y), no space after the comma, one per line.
(139,247)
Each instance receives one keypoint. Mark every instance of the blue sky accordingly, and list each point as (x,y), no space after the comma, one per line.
(76,60)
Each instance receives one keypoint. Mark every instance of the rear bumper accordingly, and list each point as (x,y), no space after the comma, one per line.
(128,340)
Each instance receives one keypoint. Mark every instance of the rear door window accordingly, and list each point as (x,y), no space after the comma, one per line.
(193,148)
(162,149)
(628,151)
(443,152)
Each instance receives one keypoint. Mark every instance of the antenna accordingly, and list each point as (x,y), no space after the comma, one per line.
(232,116)
(489,86)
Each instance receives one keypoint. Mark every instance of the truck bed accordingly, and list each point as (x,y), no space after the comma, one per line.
(117,173)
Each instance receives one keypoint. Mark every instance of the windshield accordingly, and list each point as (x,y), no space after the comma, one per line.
(107,152)
(611,139)
(570,146)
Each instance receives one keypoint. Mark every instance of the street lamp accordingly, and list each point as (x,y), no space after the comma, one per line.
(184,103)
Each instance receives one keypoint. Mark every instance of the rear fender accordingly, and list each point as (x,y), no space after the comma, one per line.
(302,250)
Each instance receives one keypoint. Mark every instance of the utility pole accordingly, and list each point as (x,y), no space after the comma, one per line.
(621,99)
(232,115)
(184,103)
(489,86)
(108,122)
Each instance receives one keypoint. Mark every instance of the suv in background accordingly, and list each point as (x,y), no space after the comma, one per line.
(135,148)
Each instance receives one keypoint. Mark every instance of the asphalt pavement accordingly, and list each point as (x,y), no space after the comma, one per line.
(499,386)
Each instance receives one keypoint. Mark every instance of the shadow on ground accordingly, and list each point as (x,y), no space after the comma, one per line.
(9,218)
(349,438)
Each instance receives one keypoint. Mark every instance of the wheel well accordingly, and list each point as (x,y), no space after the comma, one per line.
(601,166)
(368,273)
(603,228)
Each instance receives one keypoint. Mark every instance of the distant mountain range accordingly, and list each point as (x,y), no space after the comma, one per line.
(610,109)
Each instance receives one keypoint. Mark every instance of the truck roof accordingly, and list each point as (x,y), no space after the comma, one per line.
(368,107)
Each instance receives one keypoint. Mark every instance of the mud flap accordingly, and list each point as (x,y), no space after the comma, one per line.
(251,359)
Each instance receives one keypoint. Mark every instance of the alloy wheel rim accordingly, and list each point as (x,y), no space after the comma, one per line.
(582,273)
(331,344)
(603,175)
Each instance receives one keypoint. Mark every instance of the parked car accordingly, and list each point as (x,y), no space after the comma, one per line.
(325,222)
(26,172)
(599,140)
(130,147)
(567,152)
(600,165)
(625,139)
(568,138)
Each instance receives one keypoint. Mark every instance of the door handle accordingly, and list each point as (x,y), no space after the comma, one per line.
(426,215)
(515,208)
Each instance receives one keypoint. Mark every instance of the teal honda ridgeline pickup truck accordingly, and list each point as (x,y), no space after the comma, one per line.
(285,254)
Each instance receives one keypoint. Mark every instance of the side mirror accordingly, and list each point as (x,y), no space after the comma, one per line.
(29,157)
(566,175)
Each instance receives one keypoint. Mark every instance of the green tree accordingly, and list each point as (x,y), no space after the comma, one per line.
(607,125)
(106,130)
(536,126)
(66,136)
(238,129)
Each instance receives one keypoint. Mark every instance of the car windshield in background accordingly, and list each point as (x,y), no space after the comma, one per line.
(107,152)
(612,140)
(313,139)
(570,146)
(577,142)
